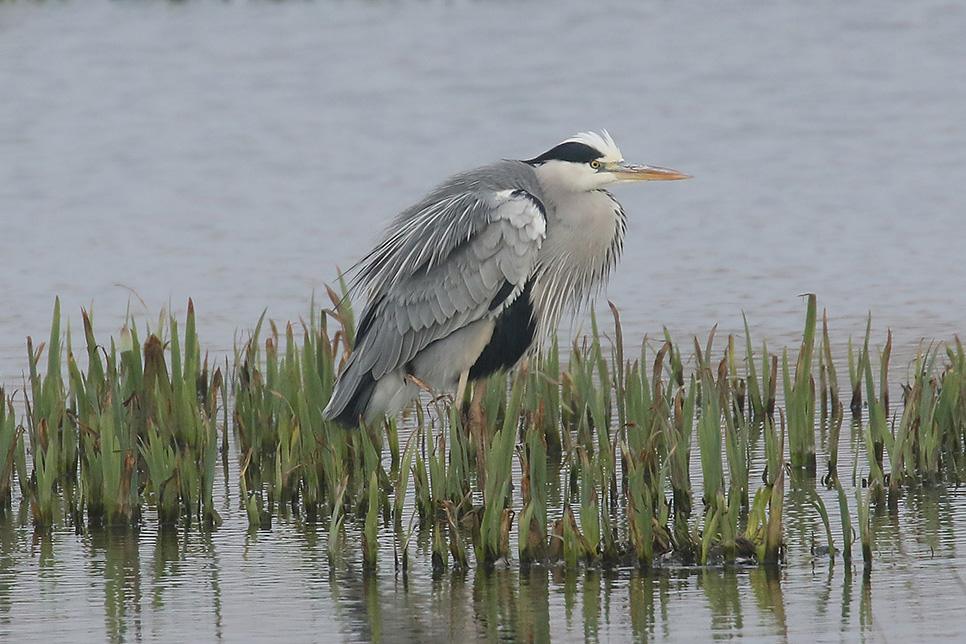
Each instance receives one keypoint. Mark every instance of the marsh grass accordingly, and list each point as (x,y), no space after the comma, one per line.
(832,408)
(800,397)
(138,428)
(532,524)
(129,428)
(11,451)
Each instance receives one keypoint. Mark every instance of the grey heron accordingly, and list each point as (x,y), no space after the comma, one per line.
(466,281)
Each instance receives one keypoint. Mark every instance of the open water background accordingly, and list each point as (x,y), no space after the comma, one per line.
(238,152)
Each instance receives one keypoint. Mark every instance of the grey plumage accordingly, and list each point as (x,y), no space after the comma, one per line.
(509,246)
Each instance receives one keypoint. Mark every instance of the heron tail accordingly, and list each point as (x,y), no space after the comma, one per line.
(361,397)
(350,397)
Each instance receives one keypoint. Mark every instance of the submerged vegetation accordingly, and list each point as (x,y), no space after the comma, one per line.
(594,462)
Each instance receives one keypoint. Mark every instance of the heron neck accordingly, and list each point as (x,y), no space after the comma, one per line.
(585,233)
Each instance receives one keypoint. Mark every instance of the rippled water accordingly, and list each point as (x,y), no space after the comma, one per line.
(236,585)
(233,585)
(237,153)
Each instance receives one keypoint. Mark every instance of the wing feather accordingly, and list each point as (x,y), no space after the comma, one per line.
(441,267)
(431,304)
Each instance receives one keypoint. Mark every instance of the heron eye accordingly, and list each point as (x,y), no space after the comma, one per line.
(595,164)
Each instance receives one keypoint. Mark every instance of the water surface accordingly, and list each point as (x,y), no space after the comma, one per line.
(238,153)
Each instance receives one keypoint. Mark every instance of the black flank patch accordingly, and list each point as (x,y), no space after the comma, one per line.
(512,337)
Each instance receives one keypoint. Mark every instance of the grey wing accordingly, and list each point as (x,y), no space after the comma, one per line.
(438,271)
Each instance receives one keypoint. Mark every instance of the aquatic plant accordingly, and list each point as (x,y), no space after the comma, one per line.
(876,434)
(640,511)
(11,443)
(138,427)
(832,408)
(848,533)
(800,397)
(370,532)
(761,394)
(865,523)
(52,441)
(532,523)
(491,537)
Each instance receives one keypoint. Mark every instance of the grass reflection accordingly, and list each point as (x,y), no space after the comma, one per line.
(115,553)
(534,623)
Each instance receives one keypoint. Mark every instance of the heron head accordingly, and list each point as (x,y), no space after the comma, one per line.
(590,161)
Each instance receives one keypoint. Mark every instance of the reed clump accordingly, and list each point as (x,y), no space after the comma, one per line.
(11,451)
(606,460)
(137,424)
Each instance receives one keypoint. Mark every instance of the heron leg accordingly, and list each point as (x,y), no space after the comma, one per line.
(461,388)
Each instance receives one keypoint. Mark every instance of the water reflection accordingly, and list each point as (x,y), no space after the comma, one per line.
(9,556)
(535,598)
(542,604)
(496,608)
(767,585)
(115,557)
(720,586)
(933,520)
(640,596)
(803,528)
(282,582)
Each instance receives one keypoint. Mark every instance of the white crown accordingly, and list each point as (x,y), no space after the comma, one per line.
(602,142)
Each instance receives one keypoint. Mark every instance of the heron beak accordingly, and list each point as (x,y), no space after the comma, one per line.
(630,172)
